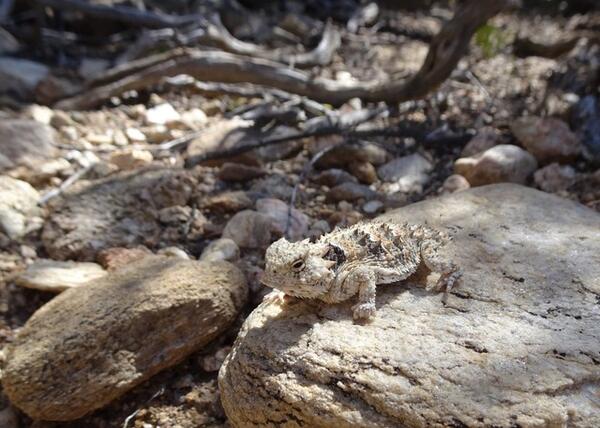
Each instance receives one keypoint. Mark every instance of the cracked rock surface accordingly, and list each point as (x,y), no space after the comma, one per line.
(518,343)
(91,344)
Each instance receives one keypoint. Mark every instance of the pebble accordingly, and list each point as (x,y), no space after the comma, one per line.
(555,178)
(502,163)
(56,276)
(174,252)
(231,171)
(364,171)
(223,249)
(249,229)
(350,192)
(131,159)
(162,114)
(410,172)
(227,202)
(135,135)
(455,183)
(118,257)
(547,138)
(277,210)
(334,176)
(18,204)
(373,207)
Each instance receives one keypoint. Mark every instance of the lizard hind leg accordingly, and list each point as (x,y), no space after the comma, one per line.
(449,272)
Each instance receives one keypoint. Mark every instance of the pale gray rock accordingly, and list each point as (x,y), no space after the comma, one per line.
(25,142)
(222,249)
(249,229)
(502,163)
(455,183)
(410,172)
(555,178)
(517,342)
(277,210)
(547,138)
(118,211)
(89,345)
(18,204)
(57,276)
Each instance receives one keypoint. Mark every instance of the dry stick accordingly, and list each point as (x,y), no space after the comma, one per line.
(315,127)
(445,51)
(64,185)
(128,15)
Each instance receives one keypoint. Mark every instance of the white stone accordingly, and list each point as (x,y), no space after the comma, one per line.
(162,114)
(135,135)
(18,202)
(56,276)
(410,172)
(131,159)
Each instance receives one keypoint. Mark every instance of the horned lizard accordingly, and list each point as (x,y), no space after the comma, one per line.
(354,260)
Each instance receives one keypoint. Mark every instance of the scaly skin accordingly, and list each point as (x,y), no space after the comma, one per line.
(355,260)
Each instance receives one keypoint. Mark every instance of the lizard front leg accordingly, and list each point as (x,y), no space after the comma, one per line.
(450,273)
(365,279)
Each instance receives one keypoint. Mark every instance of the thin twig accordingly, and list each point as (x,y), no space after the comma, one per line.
(134,414)
(65,184)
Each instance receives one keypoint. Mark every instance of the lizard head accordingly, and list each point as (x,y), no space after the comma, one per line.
(299,269)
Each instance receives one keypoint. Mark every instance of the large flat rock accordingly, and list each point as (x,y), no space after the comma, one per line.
(91,344)
(518,343)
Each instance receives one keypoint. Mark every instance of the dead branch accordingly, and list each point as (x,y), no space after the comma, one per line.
(318,126)
(445,51)
(128,15)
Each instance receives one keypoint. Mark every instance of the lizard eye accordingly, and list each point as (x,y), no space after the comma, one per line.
(298,265)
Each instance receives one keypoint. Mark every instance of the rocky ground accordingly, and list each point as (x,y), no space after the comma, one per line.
(100,206)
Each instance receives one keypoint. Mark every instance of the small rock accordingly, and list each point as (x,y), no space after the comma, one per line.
(485,139)
(18,203)
(114,212)
(502,163)
(274,186)
(585,119)
(156,134)
(119,138)
(239,172)
(334,176)
(131,159)
(318,228)
(99,139)
(277,210)
(174,252)
(350,192)
(223,249)
(194,118)
(118,257)
(364,171)
(555,178)
(228,202)
(342,156)
(40,113)
(21,76)
(25,142)
(547,138)
(135,135)
(249,229)
(175,215)
(61,119)
(455,183)
(212,363)
(410,172)
(90,345)
(162,114)
(372,207)
(56,276)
